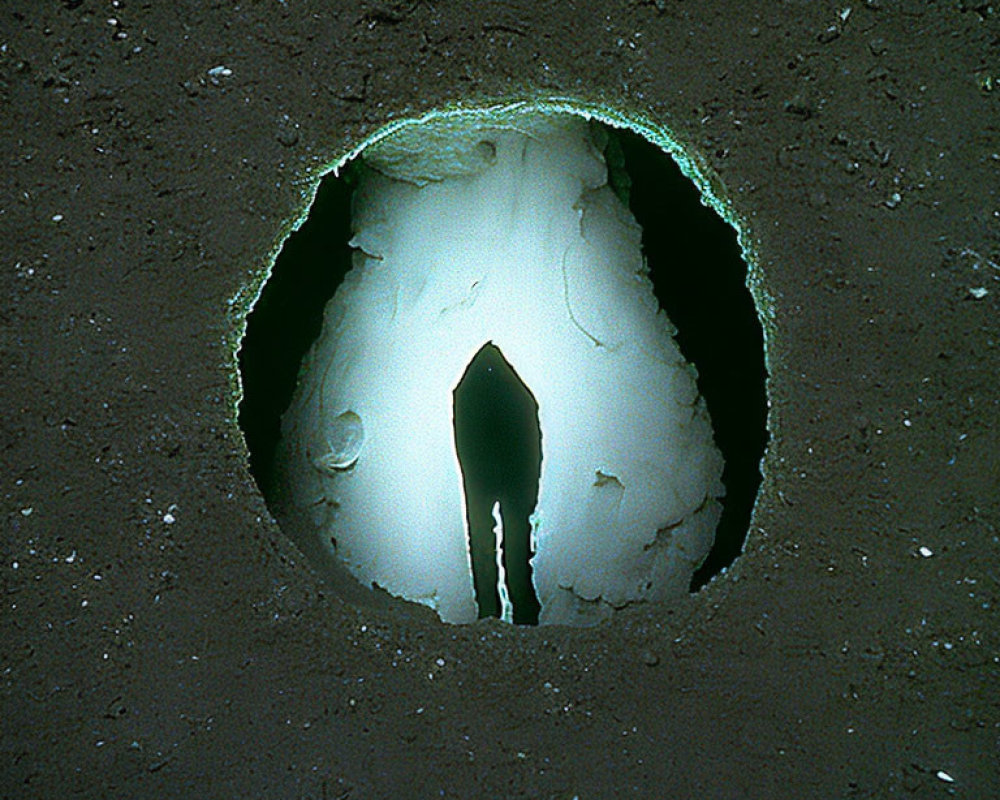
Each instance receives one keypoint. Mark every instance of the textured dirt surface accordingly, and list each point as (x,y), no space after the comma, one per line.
(161,638)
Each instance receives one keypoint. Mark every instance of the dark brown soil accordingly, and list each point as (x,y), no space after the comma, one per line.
(161,638)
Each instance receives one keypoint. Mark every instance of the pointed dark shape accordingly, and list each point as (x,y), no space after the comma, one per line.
(498,441)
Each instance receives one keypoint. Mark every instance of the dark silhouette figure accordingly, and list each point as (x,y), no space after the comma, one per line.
(498,441)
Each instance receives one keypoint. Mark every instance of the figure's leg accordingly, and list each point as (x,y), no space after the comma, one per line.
(517,560)
(482,544)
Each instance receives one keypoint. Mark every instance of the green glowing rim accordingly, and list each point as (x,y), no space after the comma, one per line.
(687,159)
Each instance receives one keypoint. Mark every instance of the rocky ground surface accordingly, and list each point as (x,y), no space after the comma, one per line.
(161,638)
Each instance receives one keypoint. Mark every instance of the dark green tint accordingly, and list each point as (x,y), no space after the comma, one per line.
(499,446)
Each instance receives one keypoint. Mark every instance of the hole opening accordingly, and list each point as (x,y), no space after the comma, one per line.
(698,276)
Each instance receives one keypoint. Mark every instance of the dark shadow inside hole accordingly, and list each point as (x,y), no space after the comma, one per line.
(498,441)
(288,318)
(699,277)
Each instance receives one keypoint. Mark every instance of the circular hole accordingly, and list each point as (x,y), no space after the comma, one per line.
(698,277)
(337,444)
(487,151)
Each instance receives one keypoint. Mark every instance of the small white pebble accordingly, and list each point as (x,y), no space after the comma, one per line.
(926,552)
(26,512)
(169,519)
(57,217)
(944,776)
(220,72)
(979,292)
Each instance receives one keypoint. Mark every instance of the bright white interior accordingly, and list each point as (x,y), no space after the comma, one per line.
(502,230)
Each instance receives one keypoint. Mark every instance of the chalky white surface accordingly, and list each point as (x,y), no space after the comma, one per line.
(505,232)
